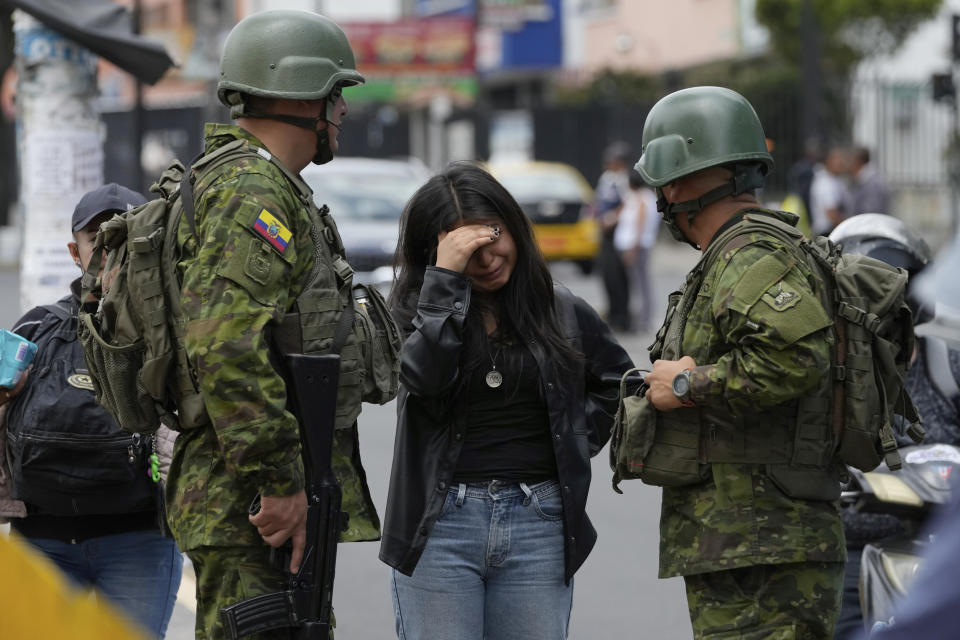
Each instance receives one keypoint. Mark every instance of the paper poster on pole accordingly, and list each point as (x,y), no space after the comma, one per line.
(60,142)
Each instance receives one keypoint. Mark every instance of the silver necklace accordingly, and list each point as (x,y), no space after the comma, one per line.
(494,378)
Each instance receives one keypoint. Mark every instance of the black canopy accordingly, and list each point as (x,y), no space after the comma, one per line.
(103,27)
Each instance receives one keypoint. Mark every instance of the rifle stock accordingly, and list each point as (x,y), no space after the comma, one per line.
(305,606)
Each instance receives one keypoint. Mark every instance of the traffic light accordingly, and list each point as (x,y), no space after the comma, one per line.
(943,88)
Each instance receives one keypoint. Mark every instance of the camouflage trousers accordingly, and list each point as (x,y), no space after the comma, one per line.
(798,601)
(227,575)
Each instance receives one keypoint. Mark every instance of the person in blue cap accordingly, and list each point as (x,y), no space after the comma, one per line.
(74,484)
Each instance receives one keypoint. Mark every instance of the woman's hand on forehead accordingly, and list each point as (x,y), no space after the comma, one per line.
(455,247)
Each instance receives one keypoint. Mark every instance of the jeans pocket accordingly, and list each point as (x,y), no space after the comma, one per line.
(548,504)
(449,502)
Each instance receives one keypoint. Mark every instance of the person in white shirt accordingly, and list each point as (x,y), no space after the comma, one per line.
(634,237)
(829,198)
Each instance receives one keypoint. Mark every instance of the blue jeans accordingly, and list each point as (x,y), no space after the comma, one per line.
(138,571)
(492,568)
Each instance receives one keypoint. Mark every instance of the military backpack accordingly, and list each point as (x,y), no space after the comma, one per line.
(872,342)
(130,327)
(131,322)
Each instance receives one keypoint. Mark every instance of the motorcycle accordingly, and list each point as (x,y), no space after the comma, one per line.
(889,566)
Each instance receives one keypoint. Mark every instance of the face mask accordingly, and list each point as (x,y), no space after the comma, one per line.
(324,153)
(670,221)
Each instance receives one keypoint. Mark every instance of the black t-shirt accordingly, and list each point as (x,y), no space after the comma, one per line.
(507,427)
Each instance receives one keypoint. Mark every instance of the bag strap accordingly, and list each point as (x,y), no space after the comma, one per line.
(186,200)
(344,324)
(623,381)
(57,309)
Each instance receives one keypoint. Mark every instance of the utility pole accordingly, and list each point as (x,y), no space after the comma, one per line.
(60,149)
(138,113)
(810,75)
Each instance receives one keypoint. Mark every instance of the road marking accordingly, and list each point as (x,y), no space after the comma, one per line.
(187,593)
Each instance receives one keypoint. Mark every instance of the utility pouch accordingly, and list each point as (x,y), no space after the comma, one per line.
(804,483)
(381,352)
(632,434)
(673,459)
(659,448)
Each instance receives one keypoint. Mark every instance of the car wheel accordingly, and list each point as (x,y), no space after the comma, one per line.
(586,266)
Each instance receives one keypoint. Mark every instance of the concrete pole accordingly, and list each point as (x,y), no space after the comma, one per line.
(810,75)
(60,149)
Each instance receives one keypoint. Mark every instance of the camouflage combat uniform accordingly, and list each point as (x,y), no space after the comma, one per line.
(757,563)
(257,223)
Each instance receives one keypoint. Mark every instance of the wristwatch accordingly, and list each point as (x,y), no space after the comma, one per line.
(681,388)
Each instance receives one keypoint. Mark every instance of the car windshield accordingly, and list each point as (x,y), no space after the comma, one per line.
(527,187)
(363,196)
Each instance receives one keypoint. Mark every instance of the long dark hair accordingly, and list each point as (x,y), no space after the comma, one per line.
(524,306)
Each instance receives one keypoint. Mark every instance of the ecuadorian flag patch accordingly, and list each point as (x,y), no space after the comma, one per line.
(270,227)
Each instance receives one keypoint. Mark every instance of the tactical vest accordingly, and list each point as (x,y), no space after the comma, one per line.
(369,357)
(792,440)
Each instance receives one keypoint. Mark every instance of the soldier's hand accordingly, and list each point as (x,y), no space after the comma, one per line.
(455,247)
(660,379)
(283,518)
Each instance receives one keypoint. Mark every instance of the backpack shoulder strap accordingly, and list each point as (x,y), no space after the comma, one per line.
(205,163)
(751,223)
(59,309)
(936,352)
(186,201)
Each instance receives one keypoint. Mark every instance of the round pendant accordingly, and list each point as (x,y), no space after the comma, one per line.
(494,379)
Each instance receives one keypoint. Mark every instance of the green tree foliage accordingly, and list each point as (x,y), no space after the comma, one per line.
(849,29)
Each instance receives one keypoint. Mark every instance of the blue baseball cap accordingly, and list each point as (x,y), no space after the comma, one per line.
(110,197)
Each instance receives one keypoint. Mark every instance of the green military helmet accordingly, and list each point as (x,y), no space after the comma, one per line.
(294,55)
(697,128)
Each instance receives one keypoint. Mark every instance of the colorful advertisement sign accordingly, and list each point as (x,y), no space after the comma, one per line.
(437,46)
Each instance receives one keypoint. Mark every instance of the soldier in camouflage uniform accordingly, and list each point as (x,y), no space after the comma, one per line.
(756,536)
(264,267)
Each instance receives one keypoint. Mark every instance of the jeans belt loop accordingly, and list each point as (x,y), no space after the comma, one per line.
(527,492)
(461,494)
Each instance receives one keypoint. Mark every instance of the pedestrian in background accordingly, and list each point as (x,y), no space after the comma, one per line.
(89,502)
(829,197)
(508,387)
(758,540)
(868,190)
(263,275)
(609,197)
(634,238)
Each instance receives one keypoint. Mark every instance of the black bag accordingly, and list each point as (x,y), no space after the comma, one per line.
(67,454)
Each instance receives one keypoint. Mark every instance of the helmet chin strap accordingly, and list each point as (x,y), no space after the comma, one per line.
(746,177)
(324,153)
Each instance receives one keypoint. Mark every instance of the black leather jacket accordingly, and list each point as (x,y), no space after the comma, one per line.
(430,422)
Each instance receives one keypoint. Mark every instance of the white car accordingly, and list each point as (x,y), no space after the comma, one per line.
(366,197)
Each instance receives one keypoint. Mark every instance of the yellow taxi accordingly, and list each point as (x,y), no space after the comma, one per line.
(558,199)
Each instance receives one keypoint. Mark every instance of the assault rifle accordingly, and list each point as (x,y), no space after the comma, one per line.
(305,606)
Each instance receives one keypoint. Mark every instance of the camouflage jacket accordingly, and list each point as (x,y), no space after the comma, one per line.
(236,287)
(751,356)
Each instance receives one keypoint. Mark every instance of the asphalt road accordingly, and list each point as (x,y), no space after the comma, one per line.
(616,593)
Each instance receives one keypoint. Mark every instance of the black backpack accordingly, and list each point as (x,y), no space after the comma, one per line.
(67,454)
